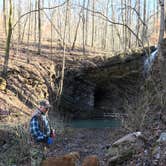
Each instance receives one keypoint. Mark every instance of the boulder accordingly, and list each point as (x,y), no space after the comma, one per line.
(132,137)
(123,149)
(162,137)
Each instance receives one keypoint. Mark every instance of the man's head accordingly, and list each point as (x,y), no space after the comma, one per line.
(44,106)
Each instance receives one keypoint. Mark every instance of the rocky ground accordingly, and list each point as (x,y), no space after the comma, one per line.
(86,142)
(99,142)
(93,141)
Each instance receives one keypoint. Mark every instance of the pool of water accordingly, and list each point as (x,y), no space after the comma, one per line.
(95,123)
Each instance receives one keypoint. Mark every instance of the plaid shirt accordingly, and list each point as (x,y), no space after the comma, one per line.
(35,130)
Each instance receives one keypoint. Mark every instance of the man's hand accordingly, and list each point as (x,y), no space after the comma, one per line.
(50,140)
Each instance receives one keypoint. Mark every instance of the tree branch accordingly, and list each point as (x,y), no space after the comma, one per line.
(115,23)
(128,6)
(36,10)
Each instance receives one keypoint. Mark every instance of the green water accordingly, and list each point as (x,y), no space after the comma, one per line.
(95,123)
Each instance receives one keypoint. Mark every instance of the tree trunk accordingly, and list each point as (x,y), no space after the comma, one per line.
(29,23)
(157,17)
(144,20)
(123,28)
(64,57)
(114,31)
(106,27)
(138,21)
(51,32)
(19,27)
(161,47)
(29,29)
(24,27)
(112,27)
(4,17)
(39,29)
(93,23)
(83,28)
(162,22)
(76,32)
(69,22)
(19,24)
(87,23)
(129,23)
(7,50)
(35,27)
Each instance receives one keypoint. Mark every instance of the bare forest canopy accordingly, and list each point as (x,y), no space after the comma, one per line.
(98,24)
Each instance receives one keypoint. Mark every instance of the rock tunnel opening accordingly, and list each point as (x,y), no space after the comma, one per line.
(108,97)
(103,89)
(98,95)
(93,99)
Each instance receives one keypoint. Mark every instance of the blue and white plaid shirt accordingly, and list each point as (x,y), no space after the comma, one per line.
(35,131)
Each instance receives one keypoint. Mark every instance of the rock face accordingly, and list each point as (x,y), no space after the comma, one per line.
(124,148)
(102,86)
(78,97)
(30,82)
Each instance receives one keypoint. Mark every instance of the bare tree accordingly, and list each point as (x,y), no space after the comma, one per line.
(93,23)
(83,28)
(123,28)
(157,17)
(162,22)
(138,21)
(39,29)
(129,23)
(105,27)
(69,22)
(144,20)
(7,50)
(76,31)
(161,47)
(35,27)
(101,24)
(19,24)
(51,31)
(29,28)
(64,56)
(4,17)
(87,24)
(19,27)
(24,28)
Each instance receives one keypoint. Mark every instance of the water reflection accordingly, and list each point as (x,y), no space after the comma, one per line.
(95,123)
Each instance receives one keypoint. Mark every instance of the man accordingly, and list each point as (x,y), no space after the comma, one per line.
(40,133)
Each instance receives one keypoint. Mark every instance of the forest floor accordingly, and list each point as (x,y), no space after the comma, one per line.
(14,112)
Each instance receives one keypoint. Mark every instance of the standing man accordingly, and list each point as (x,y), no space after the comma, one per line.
(41,133)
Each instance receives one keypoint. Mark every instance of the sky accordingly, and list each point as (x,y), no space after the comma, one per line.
(149,2)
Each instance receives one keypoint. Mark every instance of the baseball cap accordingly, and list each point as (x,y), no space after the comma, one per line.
(45,103)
